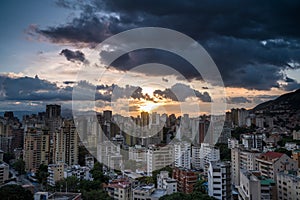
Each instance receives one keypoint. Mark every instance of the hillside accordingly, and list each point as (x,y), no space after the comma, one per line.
(287,102)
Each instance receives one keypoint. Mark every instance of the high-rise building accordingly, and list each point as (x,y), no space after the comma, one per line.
(36,148)
(242,159)
(53,117)
(270,163)
(252,141)
(255,186)
(4,169)
(186,180)
(239,116)
(196,163)
(66,144)
(182,152)
(208,153)
(288,185)
(56,173)
(219,180)
(107,115)
(159,157)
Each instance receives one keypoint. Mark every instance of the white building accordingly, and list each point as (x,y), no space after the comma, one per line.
(182,152)
(242,159)
(288,185)
(252,141)
(166,183)
(233,143)
(254,186)
(56,173)
(159,157)
(219,180)
(196,163)
(208,153)
(147,192)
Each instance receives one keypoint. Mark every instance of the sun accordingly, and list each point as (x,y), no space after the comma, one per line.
(148,107)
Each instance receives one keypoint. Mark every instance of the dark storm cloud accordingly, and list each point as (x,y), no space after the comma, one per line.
(179,92)
(237,100)
(35,89)
(252,42)
(27,88)
(73,55)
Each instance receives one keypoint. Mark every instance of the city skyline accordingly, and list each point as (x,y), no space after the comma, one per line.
(43,52)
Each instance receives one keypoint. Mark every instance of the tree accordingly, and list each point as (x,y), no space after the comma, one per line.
(97,173)
(199,186)
(82,152)
(175,196)
(19,166)
(285,151)
(70,184)
(42,174)
(15,192)
(95,194)
(225,153)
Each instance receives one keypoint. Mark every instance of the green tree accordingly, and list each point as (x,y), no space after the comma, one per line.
(70,184)
(19,166)
(15,192)
(225,153)
(285,151)
(82,152)
(175,196)
(199,186)
(95,194)
(42,174)
(97,173)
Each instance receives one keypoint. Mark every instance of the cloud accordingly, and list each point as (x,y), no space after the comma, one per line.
(252,42)
(237,100)
(73,55)
(180,92)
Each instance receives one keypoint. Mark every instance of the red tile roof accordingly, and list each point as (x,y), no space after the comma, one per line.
(270,155)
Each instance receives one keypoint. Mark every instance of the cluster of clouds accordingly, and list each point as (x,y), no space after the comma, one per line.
(36,89)
(252,42)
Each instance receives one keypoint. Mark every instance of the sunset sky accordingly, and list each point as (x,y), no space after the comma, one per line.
(255,45)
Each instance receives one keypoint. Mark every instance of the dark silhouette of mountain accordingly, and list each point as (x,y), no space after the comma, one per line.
(287,102)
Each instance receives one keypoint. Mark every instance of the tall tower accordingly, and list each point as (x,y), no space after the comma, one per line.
(66,144)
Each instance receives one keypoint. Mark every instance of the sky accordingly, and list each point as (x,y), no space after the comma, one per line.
(45,45)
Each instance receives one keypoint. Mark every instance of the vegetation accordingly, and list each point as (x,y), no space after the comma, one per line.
(19,166)
(285,151)
(241,130)
(225,153)
(286,139)
(82,152)
(42,174)
(181,196)
(15,192)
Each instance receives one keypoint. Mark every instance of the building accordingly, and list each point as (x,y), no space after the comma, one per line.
(242,159)
(65,196)
(138,153)
(208,153)
(147,192)
(233,143)
(296,156)
(270,163)
(119,189)
(252,141)
(182,152)
(109,154)
(254,186)
(186,180)
(196,163)
(239,116)
(219,180)
(296,135)
(159,157)
(288,185)
(166,183)
(66,144)
(225,134)
(36,148)
(4,169)
(56,173)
